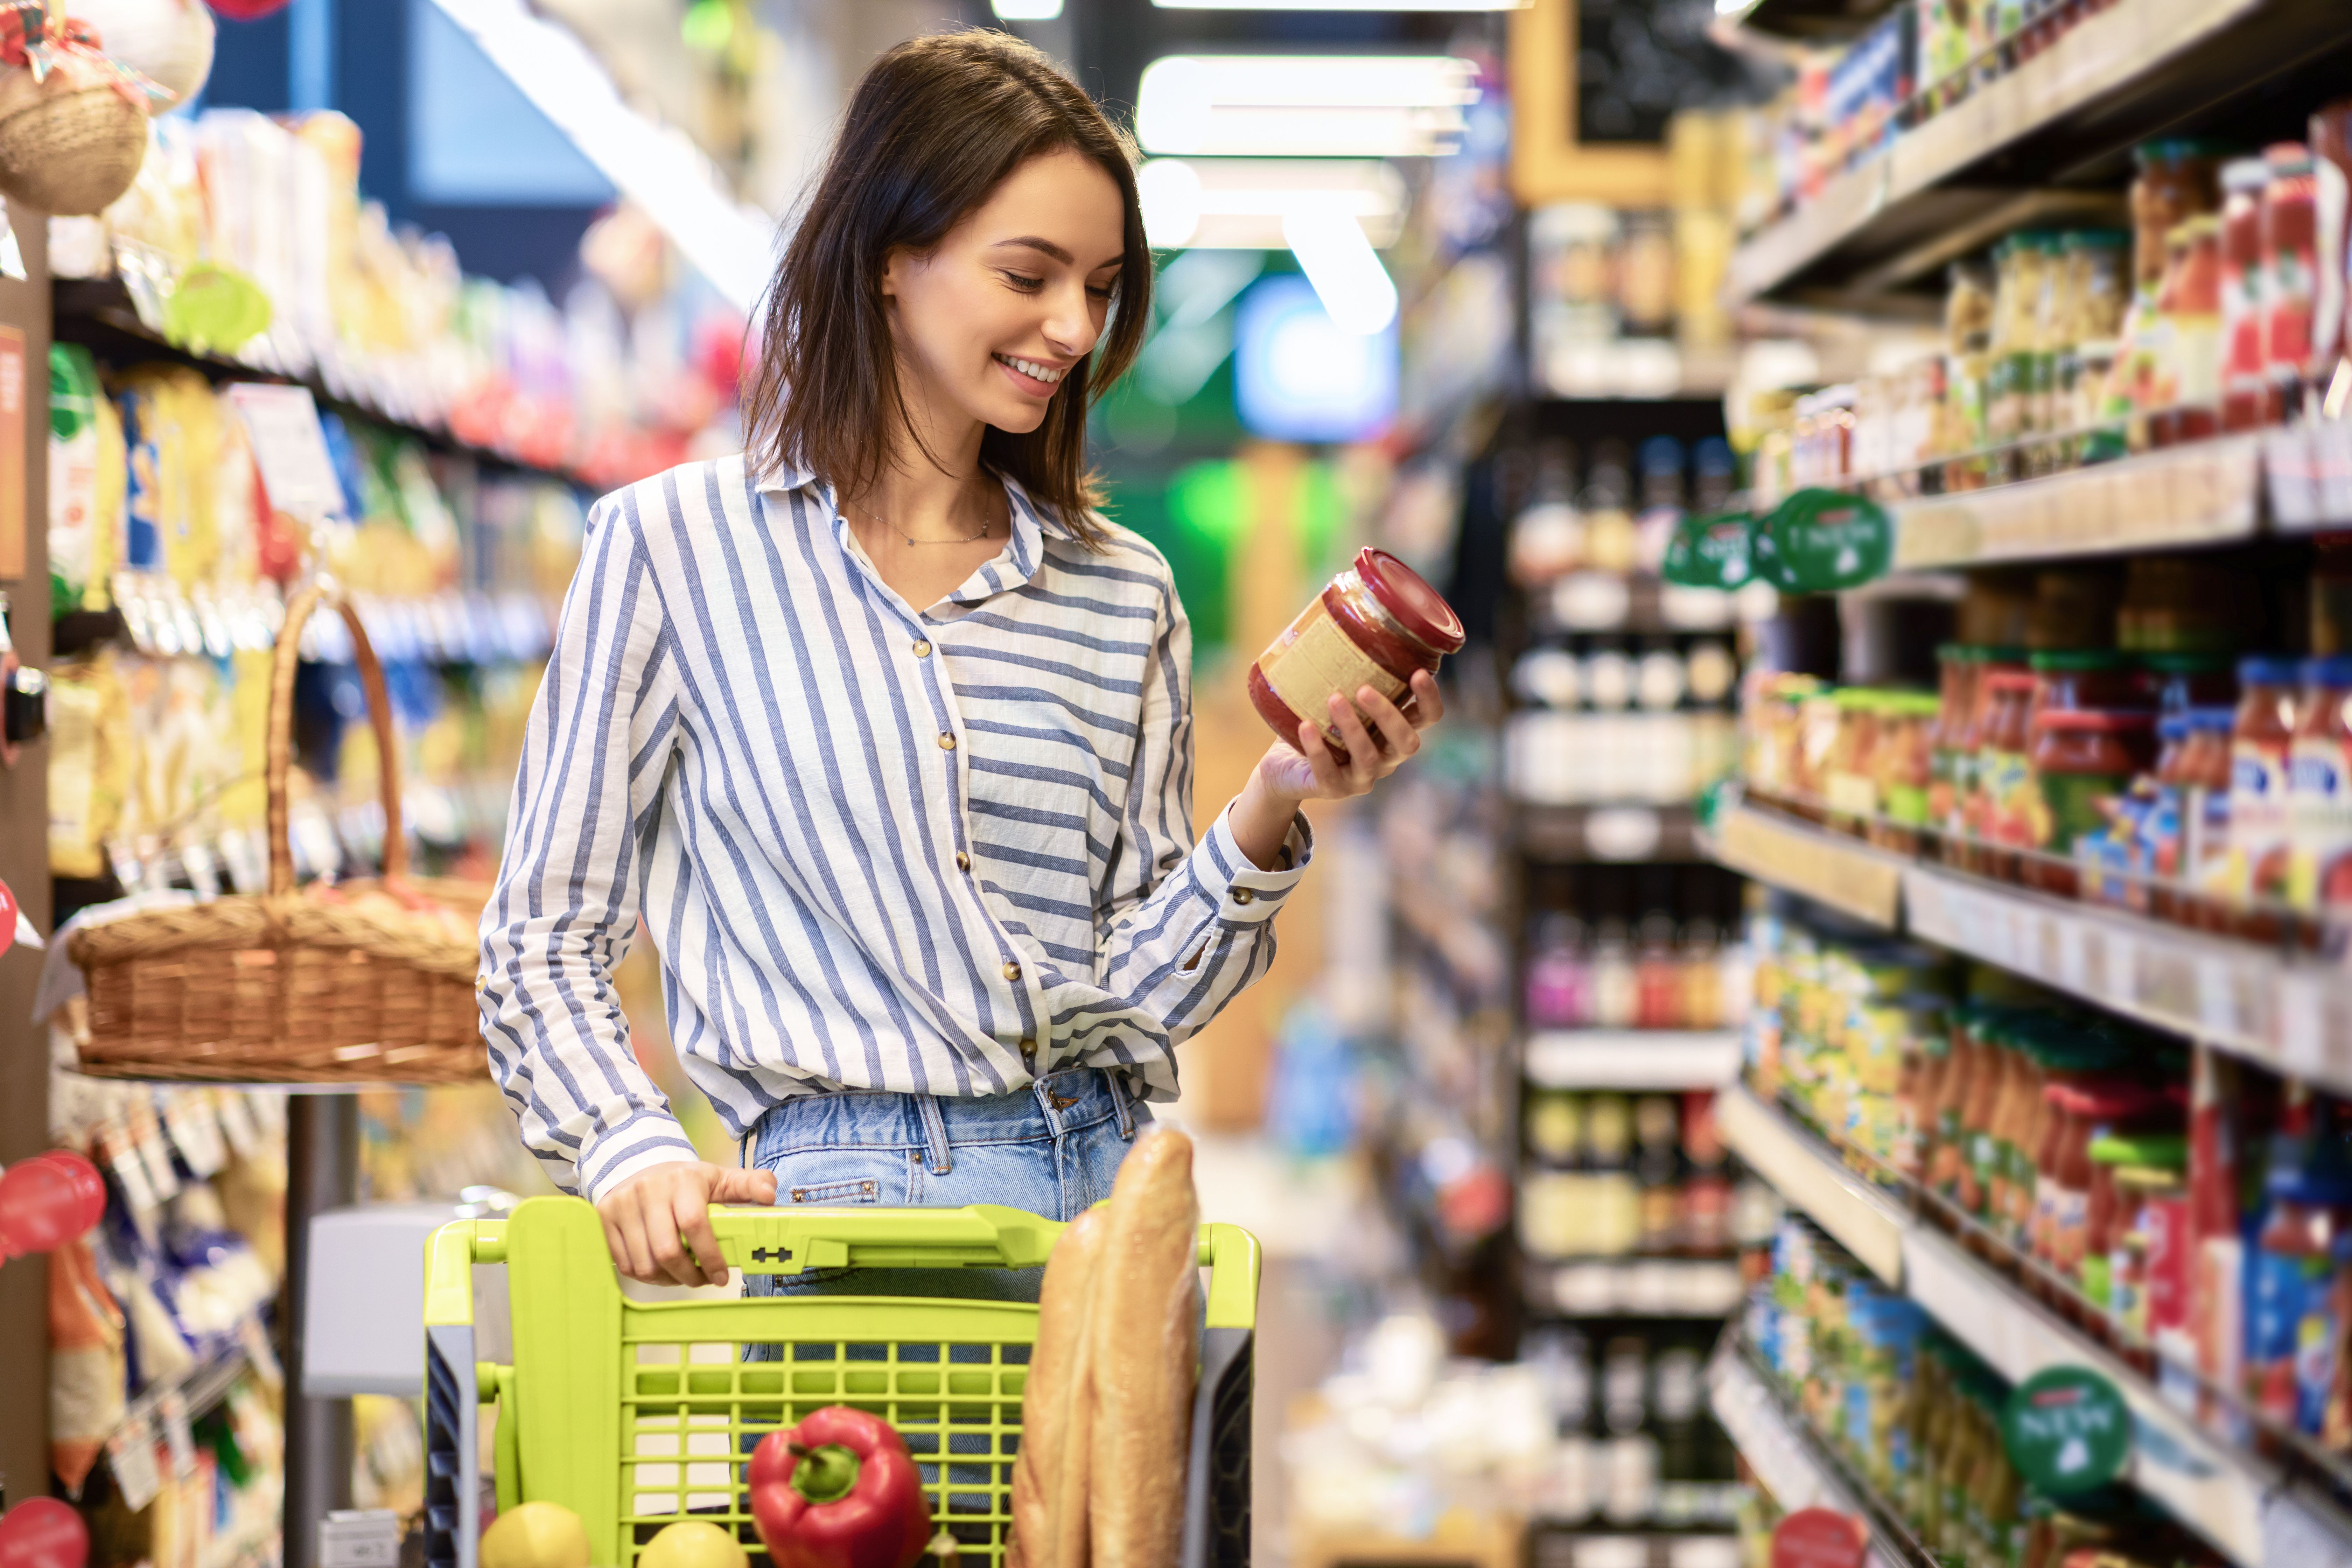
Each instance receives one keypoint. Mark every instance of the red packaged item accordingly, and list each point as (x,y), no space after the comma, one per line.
(2244,398)
(2331,178)
(2216,1329)
(2290,275)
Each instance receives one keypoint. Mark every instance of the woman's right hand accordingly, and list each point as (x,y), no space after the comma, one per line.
(658,1223)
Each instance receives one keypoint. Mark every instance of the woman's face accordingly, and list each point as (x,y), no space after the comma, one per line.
(990,323)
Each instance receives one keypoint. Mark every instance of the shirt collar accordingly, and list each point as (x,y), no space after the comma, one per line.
(1032,525)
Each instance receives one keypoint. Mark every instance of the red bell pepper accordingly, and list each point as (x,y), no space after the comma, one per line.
(839,1490)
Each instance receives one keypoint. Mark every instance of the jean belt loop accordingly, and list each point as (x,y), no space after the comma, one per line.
(1121,1106)
(937,1157)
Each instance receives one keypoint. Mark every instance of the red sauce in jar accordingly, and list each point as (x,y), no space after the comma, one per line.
(1374,625)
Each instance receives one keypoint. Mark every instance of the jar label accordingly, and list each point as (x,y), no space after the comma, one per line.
(2072,805)
(2319,796)
(1314,658)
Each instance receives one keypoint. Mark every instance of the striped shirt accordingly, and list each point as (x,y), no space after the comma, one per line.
(941,851)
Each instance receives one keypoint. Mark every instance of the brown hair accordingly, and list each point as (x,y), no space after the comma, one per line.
(935,126)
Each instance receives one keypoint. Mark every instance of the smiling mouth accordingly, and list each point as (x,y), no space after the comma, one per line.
(1031,368)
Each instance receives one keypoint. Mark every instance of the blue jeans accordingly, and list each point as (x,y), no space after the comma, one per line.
(1051,1149)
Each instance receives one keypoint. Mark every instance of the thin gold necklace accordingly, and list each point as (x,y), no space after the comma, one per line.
(986,525)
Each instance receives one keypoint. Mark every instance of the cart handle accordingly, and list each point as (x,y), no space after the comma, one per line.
(787,1240)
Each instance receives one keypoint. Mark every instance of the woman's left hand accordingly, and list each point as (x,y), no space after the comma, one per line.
(1290,774)
(1309,770)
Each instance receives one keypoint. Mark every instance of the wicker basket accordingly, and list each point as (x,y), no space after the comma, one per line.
(319,986)
(69,145)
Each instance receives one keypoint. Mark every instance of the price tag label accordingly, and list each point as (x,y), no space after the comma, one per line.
(2216,1005)
(290,449)
(2123,969)
(2073,963)
(178,1441)
(2302,1026)
(131,1453)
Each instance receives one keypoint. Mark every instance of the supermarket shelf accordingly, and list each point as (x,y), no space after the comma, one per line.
(1829,868)
(2240,1504)
(2292,1014)
(97,314)
(1866,1221)
(1636,1287)
(2208,493)
(1607,832)
(1631,1058)
(1787,1460)
(1784,1459)
(2129,73)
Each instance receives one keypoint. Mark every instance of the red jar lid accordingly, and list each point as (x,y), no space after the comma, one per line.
(2095,721)
(1421,609)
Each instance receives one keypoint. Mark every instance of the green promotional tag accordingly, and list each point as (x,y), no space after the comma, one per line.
(1767,563)
(215,311)
(2067,1430)
(1710,552)
(1828,540)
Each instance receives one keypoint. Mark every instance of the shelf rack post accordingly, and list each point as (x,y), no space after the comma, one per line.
(322,1151)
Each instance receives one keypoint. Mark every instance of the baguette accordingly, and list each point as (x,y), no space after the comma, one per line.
(1145,1332)
(1049,1478)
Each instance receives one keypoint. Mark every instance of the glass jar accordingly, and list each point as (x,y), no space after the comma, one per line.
(2178,681)
(1957,664)
(2188,307)
(2065,679)
(2004,772)
(2178,180)
(2081,758)
(2290,275)
(2243,400)
(1374,625)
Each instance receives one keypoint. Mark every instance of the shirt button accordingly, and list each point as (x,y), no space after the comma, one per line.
(922,649)
(1029,1051)
(481,983)
(947,739)
(1243,895)
(963,862)
(1011,972)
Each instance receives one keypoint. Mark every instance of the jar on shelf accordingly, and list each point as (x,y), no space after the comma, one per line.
(2070,678)
(2178,179)
(2290,275)
(2081,759)
(2188,373)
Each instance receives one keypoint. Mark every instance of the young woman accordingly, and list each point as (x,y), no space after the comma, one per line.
(884,733)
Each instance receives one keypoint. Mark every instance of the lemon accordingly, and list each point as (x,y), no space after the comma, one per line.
(536,1535)
(692,1543)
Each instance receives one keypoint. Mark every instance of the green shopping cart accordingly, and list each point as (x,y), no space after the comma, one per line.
(636,1415)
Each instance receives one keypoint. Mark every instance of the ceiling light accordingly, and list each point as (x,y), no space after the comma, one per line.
(1238,204)
(1026,10)
(1327,106)
(657,166)
(1347,276)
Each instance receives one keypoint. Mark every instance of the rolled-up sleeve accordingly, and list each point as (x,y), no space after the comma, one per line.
(1191,924)
(598,745)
